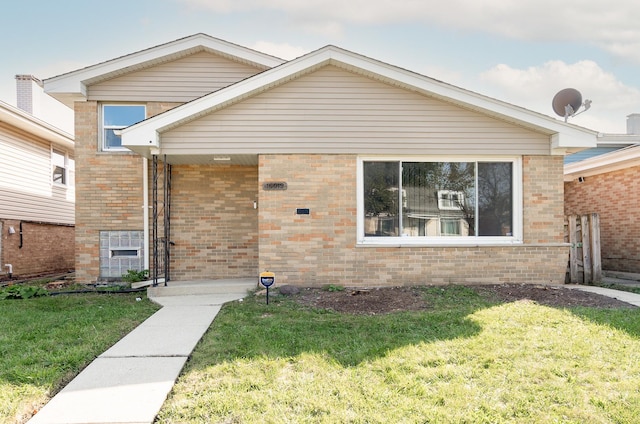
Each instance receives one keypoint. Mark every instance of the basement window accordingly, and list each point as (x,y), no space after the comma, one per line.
(120,251)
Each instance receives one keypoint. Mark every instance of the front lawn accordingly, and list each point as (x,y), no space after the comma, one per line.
(466,358)
(46,341)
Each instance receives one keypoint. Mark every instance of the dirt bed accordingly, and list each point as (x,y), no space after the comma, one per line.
(394,299)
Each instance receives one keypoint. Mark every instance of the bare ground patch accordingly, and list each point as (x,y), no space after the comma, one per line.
(395,299)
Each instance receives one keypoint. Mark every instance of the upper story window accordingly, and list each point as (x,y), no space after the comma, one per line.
(436,201)
(115,117)
(450,200)
(59,165)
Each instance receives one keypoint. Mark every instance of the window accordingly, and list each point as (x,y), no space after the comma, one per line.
(450,200)
(59,164)
(460,201)
(450,227)
(115,117)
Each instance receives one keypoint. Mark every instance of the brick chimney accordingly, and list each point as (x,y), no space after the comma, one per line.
(28,88)
(633,124)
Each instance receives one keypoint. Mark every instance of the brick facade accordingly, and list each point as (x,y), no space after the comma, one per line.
(213,222)
(320,248)
(108,189)
(46,248)
(218,233)
(615,196)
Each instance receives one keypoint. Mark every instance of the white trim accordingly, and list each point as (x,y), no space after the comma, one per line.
(400,241)
(116,128)
(619,159)
(27,122)
(145,210)
(65,166)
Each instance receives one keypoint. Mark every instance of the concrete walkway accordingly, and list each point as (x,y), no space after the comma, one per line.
(129,382)
(624,296)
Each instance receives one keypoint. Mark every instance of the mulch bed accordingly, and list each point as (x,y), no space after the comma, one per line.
(394,299)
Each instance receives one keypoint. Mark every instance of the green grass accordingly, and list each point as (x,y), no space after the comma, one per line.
(467,359)
(46,341)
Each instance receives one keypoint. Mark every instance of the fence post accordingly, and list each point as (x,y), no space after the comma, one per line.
(595,247)
(586,250)
(573,250)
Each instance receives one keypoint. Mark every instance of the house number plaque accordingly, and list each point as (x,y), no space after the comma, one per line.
(276,185)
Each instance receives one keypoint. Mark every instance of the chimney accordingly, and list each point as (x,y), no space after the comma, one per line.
(27,86)
(633,124)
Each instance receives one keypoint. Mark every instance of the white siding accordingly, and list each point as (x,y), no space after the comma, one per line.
(181,80)
(335,111)
(26,188)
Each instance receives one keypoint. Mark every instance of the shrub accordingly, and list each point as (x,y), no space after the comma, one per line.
(133,276)
(22,292)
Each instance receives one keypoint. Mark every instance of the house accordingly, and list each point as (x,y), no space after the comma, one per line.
(37,193)
(606,180)
(202,159)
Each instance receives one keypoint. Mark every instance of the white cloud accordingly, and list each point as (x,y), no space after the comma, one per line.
(535,87)
(283,50)
(611,27)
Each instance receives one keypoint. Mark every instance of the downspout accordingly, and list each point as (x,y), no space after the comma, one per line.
(145,209)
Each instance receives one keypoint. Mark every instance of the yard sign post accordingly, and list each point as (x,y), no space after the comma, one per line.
(267,279)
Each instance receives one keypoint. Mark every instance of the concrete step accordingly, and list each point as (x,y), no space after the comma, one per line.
(206,287)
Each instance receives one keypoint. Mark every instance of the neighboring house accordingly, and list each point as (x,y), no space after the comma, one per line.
(606,180)
(37,196)
(330,168)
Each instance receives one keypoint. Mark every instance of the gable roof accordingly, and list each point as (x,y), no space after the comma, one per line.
(24,121)
(564,137)
(626,157)
(72,86)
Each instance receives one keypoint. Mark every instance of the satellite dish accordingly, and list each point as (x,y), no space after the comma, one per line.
(567,102)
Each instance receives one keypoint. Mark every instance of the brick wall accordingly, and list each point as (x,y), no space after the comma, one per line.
(109,192)
(320,248)
(46,248)
(213,222)
(615,196)
(543,195)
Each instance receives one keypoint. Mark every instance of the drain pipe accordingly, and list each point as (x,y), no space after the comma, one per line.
(10,269)
(145,209)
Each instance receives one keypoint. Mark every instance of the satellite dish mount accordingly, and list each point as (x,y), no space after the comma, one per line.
(567,103)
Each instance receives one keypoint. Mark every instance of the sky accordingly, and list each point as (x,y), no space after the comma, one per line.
(519,51)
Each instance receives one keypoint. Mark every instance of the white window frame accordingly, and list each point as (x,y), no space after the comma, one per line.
(441,201)
(65,167)
(102,141)
(404,240)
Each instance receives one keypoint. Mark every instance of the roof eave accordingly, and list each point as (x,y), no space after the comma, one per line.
(28,123)
(563,137)
(71,86)
(608,162)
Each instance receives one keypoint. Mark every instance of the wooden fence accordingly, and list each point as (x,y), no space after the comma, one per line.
(583,233)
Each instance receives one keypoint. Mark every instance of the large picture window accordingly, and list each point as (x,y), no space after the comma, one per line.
(465,201)
(116,117)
